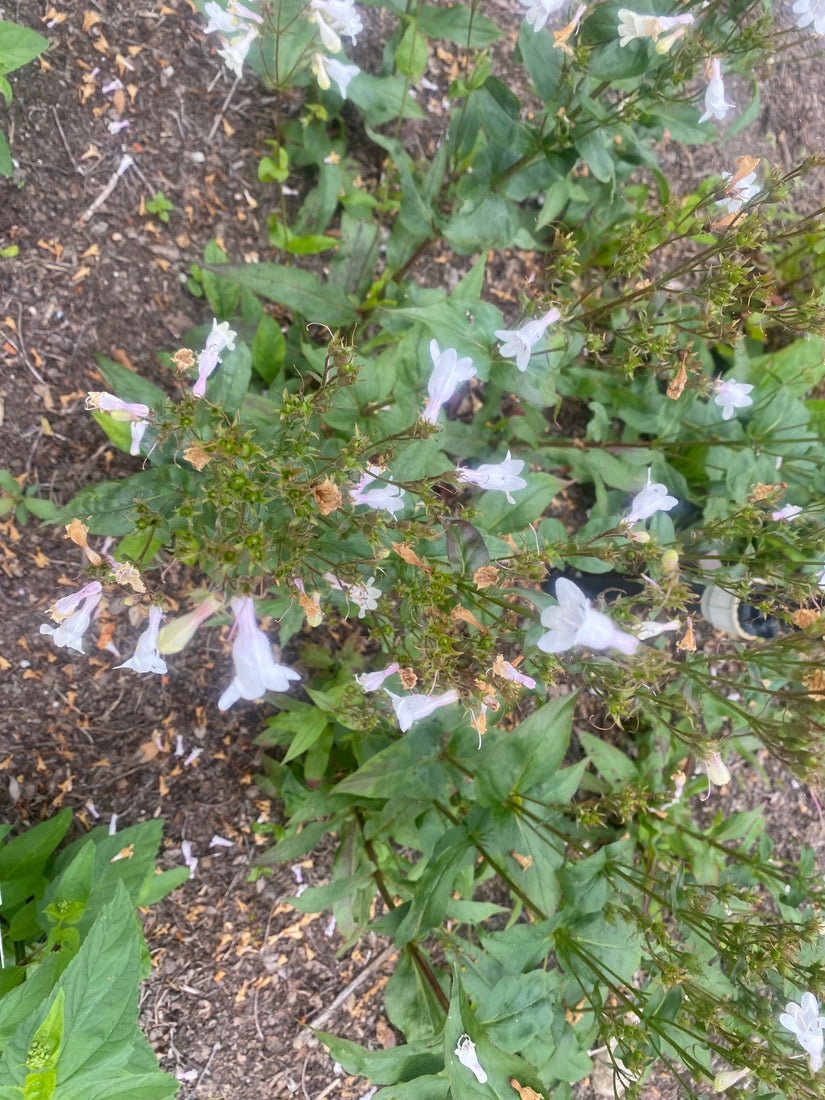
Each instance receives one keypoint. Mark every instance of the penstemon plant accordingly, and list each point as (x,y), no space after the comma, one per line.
(484,531)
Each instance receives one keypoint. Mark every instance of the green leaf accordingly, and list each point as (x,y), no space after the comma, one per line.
(500,516)
(466,549)
(6,165)
(311,728)
(491,223)
(458,23)
(517,1009)
(612,764)
(382,98)
(66,895)
(411,1004)
(541,60)
(109,508)
(300,290)
(422,1088)
(383,1067)
(157,886)
(411,52)
(274,169)
(19,46)
(221,292)
(596,150)
(428,905)
(514,761)
(5,90)
(268,349)
(23,858)
(227,387)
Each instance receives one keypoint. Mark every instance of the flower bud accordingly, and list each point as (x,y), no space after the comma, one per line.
(178,633)
(670,562)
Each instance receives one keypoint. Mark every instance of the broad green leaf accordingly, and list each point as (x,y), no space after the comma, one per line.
(411,1004)
(491,223)
(411,52)
(66,895)
(458,23)
(109,507)
(383,1067)
(157,886)
(452,854)
(422,1088)
(541,60)
(24,856)
(500,516)
(382,98)
(596,149)
(300,290)
(227,387)
(512,762)
(221,292)
(268,349)
(611,763)
(517,1009)
(19,46)
(129,386)
(311,728)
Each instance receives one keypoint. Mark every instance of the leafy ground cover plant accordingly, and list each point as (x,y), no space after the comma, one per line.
(377,464)
(18,46)
(72,956)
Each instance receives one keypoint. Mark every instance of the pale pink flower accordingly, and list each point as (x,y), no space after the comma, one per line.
(574,622)
(510,672)
(411,708)
(146,657)
(788,512)
(499,475)
(448,373)
(219,340)
(519,342)
(372,681)
(256,670)
(73,615)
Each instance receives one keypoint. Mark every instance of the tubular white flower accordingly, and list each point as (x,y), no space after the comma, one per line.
(365,595)
(653,498)
(256,670)
(236,49)
(448,373)
(340,73)
(411,708)
(539,11)
(178,633)
(498,475)
(716,106)
(386,497)
(465,1051)
(146,657)
(806,1024)
(788,512)
(340,15)
(574,622)
(739,193)
(635,25)
(732,395)
(518,343)
(372,681)
(73,620)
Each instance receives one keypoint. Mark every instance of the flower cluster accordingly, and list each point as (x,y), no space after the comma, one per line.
(236,26)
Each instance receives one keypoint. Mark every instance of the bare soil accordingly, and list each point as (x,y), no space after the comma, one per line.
(237,971)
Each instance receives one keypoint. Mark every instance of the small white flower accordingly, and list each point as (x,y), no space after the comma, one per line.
(333,16)
(411,708)
(574,622)
(805,1022)
(117,409)
(465,1051)
(365,595)
(810,11)
(327,69)
(653,630)
(234,54)
(497,475)
(386,497)
(788,512)
(256,670)
(372,681)
(716,106)
(653,498)
(732,395)
(634,25)
(739,193)
(448,373)
(146,657)
(190,860)
(519,342)
(539,11)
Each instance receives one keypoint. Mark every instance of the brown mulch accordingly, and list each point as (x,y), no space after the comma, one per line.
(237,971)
